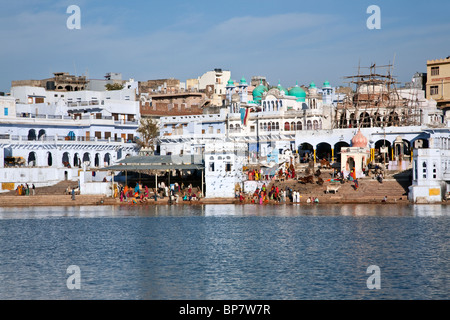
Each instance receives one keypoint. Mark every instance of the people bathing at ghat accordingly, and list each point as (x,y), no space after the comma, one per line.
(142,194)
(24,190)
(263,196)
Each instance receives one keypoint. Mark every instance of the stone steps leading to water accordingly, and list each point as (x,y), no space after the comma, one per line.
(50,200)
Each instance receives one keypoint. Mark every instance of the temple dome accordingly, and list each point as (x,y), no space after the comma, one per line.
(298,92)
(258,92)
(359,140)
(281,88)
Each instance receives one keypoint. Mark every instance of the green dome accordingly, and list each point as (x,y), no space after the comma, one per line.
(297,92)
(326,84)
(281,88)
(243,81)
(258,91)
(230,83)
(312,85)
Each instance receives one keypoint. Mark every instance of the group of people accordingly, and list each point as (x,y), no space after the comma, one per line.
(263,195)
(24,190)
(142,193)
(312,200)
(287,173)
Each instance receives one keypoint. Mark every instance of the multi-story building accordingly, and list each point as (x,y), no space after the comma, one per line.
(431,169)
(438,84)
(47,136)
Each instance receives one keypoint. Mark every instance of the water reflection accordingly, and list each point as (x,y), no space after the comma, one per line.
(221,210)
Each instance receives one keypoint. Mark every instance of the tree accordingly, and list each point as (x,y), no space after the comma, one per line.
(113,86)
(149,131)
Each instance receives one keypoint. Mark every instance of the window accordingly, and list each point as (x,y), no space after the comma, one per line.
(130,137)
(415,170)
(434,71)
(252,128)
(5,111)
(98,134)
(434,171)
(107,135)
(434,90)
(228,167)
(424,166)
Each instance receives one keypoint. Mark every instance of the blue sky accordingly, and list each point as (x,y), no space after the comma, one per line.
(282,40)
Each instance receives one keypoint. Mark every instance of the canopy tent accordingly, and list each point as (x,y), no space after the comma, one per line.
(156,164)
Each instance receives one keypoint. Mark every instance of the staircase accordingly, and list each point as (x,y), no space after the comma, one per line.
(56,189)
(369,190)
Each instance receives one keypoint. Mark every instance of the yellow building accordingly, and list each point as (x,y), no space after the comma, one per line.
(438,81)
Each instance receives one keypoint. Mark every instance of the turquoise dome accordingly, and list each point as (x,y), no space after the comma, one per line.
(230,83)
(258,92)
(298,92)
(312,85)
(281,88)
(326,84)
(243,81)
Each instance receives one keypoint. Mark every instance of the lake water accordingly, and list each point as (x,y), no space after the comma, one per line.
(225,252)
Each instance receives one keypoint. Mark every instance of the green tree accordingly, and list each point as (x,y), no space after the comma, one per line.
(149,132)
(113,86)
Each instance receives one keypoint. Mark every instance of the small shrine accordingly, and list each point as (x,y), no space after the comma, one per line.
(355,158)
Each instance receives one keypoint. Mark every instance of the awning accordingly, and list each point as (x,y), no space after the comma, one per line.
(167,159)
(162,167)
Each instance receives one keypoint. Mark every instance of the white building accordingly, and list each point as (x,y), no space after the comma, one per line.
(298,121)
(431,169)
(223,168)
(49,136)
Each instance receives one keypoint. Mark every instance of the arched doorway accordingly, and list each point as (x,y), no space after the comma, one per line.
(97,160)
(306,152)
(393,119)
(364,120)
(107,159)
(382,151)
(49,159)
(337,149)
(76,160)
(342,121)
(377,120)
(350,164)
(32,160)
(353,122)
(66,160)
(31,134)
(41,134)
(323,151)
(86,158)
